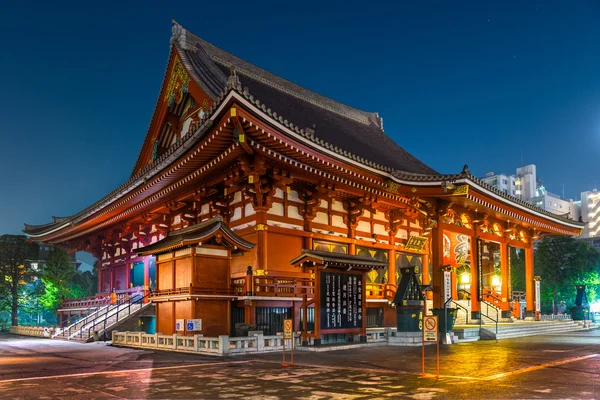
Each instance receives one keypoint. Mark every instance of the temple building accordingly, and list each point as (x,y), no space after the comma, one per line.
(255,200)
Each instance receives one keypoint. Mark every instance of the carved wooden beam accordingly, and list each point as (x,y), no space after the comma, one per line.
(239,135)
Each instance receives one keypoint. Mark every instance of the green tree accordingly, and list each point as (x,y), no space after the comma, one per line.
(517,268)
(58,275)
(563,262)
(16,255)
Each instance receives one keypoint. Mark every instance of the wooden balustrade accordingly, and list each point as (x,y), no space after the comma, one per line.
(102,299)
(192,290)
(273,285)
(382,291)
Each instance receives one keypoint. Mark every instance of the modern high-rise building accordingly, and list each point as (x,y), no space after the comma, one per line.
(590,213)
(525,185)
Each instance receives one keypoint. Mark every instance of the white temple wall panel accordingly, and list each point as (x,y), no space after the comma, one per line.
(321,218)
(338,222)
(277,209)
(249,210)
(293,213)
(237,214)
(337,206)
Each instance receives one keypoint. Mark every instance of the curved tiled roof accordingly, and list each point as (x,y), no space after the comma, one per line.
(354,134)
(346,130)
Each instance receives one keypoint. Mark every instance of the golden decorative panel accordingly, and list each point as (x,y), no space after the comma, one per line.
(178,82)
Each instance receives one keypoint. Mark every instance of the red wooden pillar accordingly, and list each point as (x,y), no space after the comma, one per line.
(505,301)
(112,279)
(392,266)
(317,306)
(475,304)
(99,272)
(261,238)
(529,286)
(437,258)
(363,328)
(427,270)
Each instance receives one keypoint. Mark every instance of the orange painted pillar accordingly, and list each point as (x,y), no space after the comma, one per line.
(475,304)
(391,279)
(427,270)
(437,258)
(529,285)
(261,239)
(504,275)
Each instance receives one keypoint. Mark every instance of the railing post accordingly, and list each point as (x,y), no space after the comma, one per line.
(260,342)
(224,344)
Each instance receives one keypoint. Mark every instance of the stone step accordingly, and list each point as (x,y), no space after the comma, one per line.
(531,329)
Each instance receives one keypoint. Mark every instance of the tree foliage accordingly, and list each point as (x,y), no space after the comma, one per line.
(564,262)
(16,255)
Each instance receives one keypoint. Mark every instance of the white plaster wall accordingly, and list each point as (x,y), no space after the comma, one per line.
(293,195)
(338,221)
(321,218)
(205,209)
(380,230)
(402,234)
(237,214)
(237,197)
(294,213)
(278,194)
(379,216)
(363,226)
(249,210)
(276,209)
(337,205)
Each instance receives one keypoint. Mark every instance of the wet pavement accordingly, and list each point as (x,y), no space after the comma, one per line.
(550,366)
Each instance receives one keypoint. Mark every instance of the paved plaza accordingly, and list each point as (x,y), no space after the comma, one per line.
(551,366)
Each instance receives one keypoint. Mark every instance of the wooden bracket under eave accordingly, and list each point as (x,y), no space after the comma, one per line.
(241,133)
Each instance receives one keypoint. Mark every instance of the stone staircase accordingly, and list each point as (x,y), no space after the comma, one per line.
(528,328)
(101,322)
(464,331)
(487,309)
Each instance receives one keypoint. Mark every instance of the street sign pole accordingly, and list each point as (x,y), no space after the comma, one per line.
(430,334)
(288,333)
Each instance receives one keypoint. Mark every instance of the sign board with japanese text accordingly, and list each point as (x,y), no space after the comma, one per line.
(415,243)
(341,300)
(447,282)
(538,295)
(430,328)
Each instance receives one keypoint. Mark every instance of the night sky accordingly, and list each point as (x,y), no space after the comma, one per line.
(476,83)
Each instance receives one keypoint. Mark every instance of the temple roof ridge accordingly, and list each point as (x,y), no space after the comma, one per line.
(188,41)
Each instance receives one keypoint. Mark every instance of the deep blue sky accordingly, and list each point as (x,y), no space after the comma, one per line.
(456,82)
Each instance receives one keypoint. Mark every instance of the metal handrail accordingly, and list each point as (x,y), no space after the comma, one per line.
(130,303)
(106,309)
(65,323)
(481,314)
(84,320)
(451,300)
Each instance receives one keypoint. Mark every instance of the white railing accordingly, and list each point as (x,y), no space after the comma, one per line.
(37,331)
(201,344)
(553,317)
(379,334)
